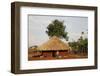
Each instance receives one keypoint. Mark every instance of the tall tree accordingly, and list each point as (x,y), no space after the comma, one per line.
(57,28)
(83,43)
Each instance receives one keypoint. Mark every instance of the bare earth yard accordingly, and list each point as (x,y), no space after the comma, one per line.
(69,56)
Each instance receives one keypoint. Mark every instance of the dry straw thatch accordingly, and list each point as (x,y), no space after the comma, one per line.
(54,43)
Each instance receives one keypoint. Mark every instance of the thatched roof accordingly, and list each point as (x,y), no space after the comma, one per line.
(54,43)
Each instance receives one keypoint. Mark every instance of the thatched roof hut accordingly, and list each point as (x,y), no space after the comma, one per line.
(54,43)
(33,48)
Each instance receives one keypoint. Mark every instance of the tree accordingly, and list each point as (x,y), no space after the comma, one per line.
(57,28)
(83,44)
(74,45)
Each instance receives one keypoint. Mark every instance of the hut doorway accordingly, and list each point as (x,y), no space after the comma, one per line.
(55,54)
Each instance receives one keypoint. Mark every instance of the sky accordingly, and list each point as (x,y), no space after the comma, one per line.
(38,26)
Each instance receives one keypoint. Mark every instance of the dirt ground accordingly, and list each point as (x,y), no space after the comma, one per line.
(69,56)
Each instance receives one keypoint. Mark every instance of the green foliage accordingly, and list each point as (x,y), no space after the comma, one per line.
(81,45)
(74,45)
(57,28)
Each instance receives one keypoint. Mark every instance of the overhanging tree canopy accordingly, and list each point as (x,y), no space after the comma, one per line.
(57,28)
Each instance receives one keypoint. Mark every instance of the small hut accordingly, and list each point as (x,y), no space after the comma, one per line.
(54,47)
(33,52)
